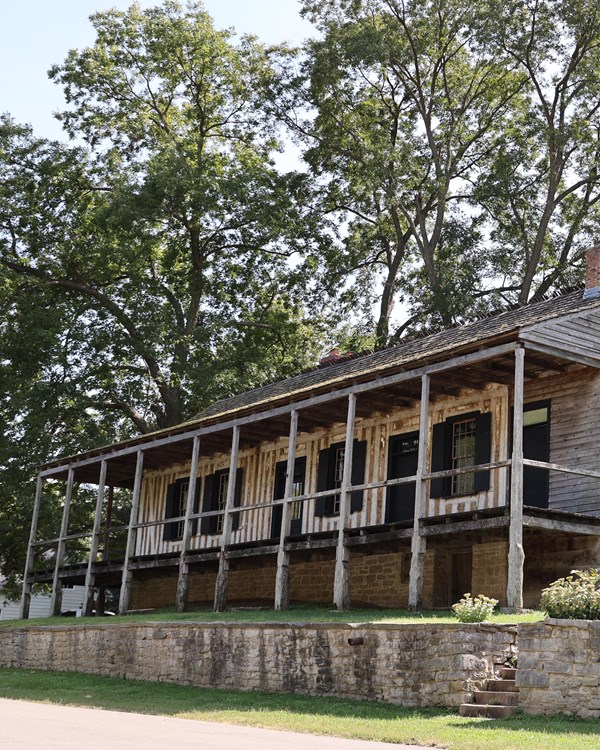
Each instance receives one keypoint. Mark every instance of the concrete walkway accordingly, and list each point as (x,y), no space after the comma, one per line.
(41,726)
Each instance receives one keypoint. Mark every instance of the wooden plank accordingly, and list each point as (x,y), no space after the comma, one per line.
(342,583)
(554,524)
(26,590)
(323,398)
(184,571)
(56,597)
(88,591)
(561,468)
(573,354)
(379,537)
(418,542)
(222,583)
(516,555)
(126,579)
(282,578)
(459,527)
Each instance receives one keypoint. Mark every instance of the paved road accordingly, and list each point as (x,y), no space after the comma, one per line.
(40,726)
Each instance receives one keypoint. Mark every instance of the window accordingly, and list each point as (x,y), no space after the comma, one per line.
(459,442)
(536,445)
(463,454)
(175,507)
(215,498)
(330,475)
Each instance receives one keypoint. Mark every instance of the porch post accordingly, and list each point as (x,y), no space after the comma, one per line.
(342,580)
(418,542)
(90,578)
(26,592)
(184,566)
(125,595)
(282,580)
(56,599)
(223,574)
(516,556)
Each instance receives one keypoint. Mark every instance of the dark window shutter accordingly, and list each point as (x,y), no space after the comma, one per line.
(237,499)
(438,459)
(208,525)
(323,481)
(171,511)
(196,507)
(278,492)
(359,457)
(483,449)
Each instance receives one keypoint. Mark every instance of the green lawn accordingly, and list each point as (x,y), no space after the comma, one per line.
(362,720)
(297,614)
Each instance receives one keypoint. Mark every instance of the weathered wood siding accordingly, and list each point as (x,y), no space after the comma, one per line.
(574,438)
(258,465)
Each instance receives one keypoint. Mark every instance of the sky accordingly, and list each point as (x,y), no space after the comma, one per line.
(39,33)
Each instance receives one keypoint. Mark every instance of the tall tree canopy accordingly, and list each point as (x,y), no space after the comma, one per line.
(158,265)
(459,142)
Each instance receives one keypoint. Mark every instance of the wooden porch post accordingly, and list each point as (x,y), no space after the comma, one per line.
(56,599)
(342,580)
(90,578)
(125,595)
(418,542)
(223,574)
(282,580)
(26,592)
(184,566)
(516,556)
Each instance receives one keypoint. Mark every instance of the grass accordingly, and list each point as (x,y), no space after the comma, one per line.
(314,715)
(297,614)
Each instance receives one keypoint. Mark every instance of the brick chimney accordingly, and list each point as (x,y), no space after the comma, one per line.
(592,272)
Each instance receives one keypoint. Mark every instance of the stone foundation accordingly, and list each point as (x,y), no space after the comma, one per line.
(411,665)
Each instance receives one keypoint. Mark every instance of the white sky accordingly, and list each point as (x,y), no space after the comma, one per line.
(38,33)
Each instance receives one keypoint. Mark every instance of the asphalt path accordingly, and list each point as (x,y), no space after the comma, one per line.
(43,726)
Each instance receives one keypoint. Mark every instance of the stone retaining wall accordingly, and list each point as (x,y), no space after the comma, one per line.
(559,667)
(411,665)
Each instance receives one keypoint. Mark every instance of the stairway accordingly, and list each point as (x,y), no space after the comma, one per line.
(499,699)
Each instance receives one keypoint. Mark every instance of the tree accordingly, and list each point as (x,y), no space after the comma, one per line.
(172,233)
(158,265)
(459,142)
(542,188)
(407,105)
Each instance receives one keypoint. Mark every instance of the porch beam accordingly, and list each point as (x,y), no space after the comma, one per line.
(183,579)
(552,524)
(418,542)
(516,555)
(342,579)
(88,591)
(282,579)
(357,388)
(56,598)
(222,583)
(26,591)
(126,579)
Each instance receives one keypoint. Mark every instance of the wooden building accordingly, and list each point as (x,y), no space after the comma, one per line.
(463,461)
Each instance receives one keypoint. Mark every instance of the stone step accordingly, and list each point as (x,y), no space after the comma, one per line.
(503,686)
(496,698)
(508,673)
(487,712)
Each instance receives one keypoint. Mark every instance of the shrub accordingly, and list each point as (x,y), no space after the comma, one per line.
(576,597)
(477,609)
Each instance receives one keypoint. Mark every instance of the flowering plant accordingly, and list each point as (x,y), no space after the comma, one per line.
(476,609)
(575,597)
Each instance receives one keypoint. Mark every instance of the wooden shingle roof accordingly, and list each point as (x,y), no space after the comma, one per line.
(405,355)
